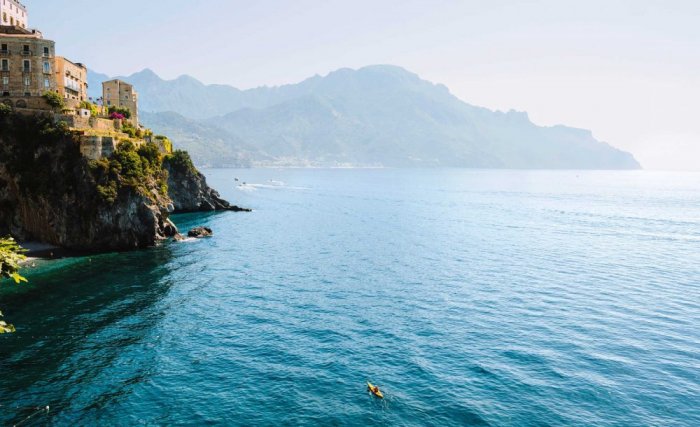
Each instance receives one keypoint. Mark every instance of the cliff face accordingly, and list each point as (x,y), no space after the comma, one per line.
(188,188)
(50,193)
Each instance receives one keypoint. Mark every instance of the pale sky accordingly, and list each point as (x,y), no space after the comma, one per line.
(629,70)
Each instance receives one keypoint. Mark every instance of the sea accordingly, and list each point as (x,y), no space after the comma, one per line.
(470,297)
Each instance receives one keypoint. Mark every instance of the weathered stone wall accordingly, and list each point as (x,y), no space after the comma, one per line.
(26,102)
(95,123)
(97,147)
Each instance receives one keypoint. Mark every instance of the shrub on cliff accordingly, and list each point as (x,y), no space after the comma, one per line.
(54,100)
(5,109)
(130,167)
(119,110)
(181,160)
(87,105)
(33,134)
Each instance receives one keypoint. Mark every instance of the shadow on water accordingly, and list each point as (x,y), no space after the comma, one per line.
(97,307)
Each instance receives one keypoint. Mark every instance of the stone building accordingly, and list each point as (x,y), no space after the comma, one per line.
(71,79)
(26,64)
(13,13)
(117,93)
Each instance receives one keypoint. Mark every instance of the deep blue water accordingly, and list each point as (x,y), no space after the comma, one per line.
(501,298)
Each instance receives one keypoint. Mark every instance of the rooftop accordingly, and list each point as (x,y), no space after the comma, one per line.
(14,30)
(19,4)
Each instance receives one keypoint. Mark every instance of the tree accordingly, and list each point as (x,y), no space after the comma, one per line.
(54,100)
(11,255)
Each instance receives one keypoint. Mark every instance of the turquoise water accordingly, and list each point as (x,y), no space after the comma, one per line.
(500,298)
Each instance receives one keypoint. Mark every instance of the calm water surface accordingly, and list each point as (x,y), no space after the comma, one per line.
(499,298)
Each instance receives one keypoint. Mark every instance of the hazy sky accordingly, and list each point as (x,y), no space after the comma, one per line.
(627,69)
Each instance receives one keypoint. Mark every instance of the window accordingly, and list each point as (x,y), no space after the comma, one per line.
(47,83)
(27,65)
(5,65)
(5,81)
(46,51)
(47,67)
(27,80)
(3,48)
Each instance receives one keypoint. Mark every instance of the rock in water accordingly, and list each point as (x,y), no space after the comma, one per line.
(199,232)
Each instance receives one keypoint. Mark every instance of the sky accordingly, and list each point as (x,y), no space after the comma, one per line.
(629,70)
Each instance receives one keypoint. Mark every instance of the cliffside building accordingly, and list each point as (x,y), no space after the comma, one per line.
(71,79)
(26,64)
(13,13)
(117,93)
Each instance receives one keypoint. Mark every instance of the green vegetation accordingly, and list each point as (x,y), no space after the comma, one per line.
(120,110)
(165,142)
(131,130)
(5,110)
(54,100)
(11,255)
(130,168)
(181,160)
(94,111)
(31,134)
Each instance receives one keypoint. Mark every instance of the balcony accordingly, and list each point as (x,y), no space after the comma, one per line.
(4,52)
(26,52)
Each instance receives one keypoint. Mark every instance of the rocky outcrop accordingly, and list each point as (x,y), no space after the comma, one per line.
(50,193)
(188,189)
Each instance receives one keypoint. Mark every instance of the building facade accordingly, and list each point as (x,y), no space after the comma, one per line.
(71,79)
(13,13)
(26,63)
(117,93)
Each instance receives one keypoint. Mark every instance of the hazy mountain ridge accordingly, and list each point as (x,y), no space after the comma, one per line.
(378,115)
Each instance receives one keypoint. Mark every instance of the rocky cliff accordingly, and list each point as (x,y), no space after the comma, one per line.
(52,194)
(188,189)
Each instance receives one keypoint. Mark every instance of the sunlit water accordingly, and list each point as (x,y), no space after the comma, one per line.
(472,297)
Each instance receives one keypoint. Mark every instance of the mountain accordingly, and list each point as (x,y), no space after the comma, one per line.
(377,115)
(207,144)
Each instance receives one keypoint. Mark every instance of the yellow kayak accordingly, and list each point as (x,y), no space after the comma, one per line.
(375,390)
